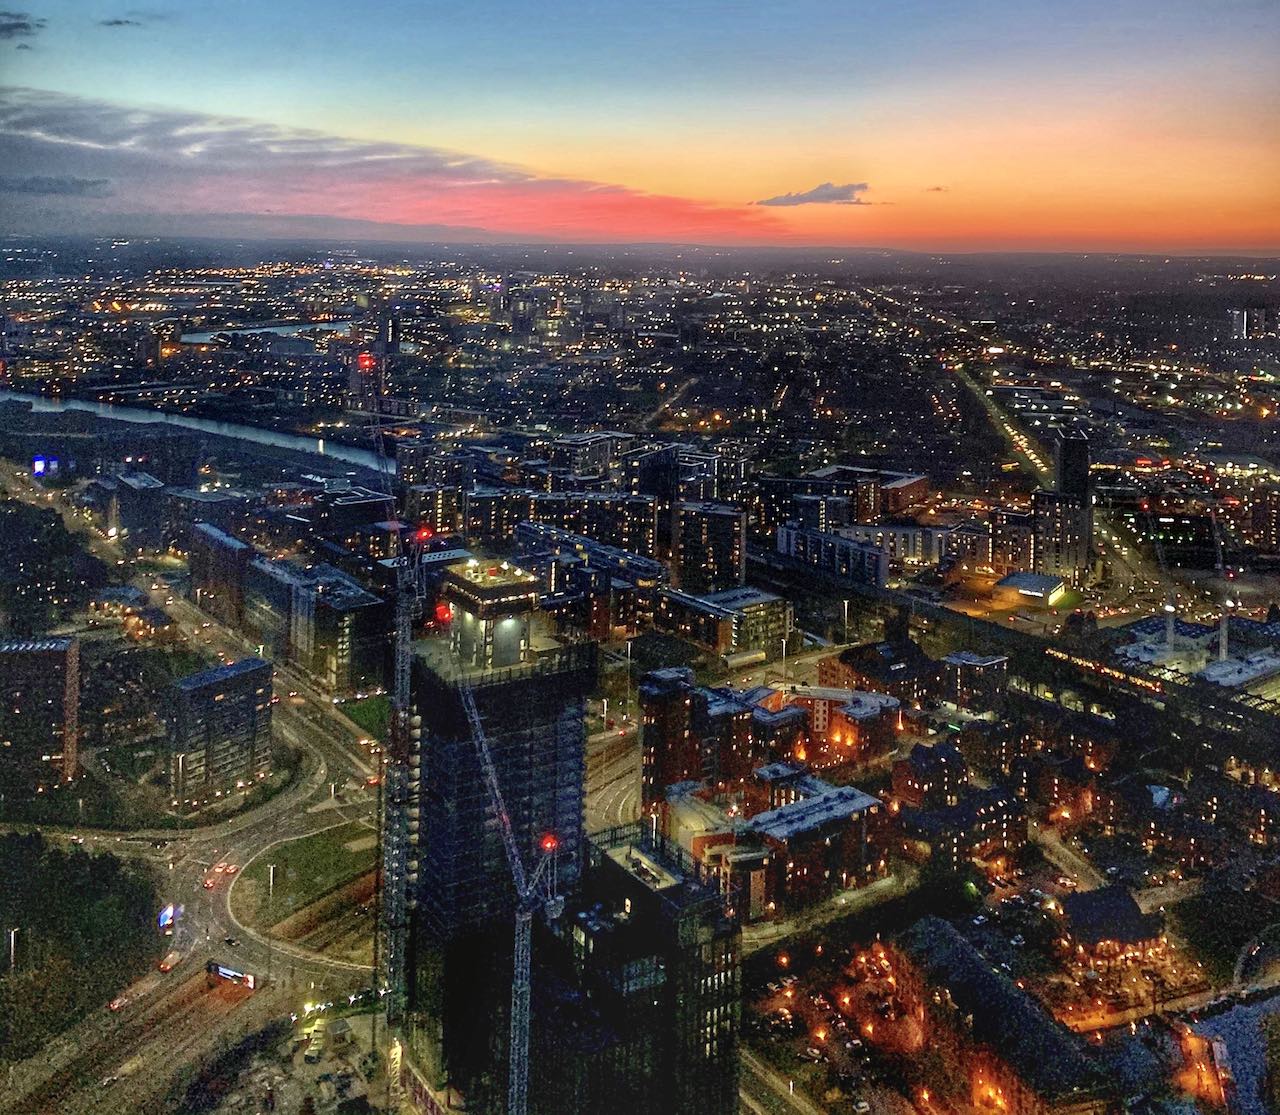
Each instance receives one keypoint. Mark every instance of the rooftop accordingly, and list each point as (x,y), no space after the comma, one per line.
(855,703)
(643,866)
(971,658)
(32,646)
(1048,1058)
(1154,626)
(221,673)
(709,507)
(140,481)
(221,537)
(739,598)
(839,803)
(487,574)
(1238,672)
(1108,914)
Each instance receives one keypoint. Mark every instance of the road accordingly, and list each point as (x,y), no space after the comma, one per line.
(176,1019)
(613,778)
(1062,857)
(764,1091)
(667,403)
(1126,567)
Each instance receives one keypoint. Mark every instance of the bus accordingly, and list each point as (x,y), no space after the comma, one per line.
(215,972)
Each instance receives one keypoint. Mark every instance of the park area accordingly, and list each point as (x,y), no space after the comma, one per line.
(370,714)
(319,879)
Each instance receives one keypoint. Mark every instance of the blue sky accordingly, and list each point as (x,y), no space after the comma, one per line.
(722,104)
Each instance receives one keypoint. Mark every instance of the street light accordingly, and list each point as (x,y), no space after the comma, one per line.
(271,914)
(846,619)
(628,679)
(13,948)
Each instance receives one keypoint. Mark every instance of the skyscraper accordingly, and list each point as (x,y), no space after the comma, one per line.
(460,893)
(1071,462)
(1248,324)
(642,998)
(1064,517)
(1063,525)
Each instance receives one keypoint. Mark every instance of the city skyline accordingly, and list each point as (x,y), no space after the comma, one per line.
(1138,128)
(717,554)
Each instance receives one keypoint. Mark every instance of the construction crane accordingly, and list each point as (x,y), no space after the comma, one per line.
(395,789)
(395,802)
(533,892)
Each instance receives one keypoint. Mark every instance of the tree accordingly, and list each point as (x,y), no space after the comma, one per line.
(68,907)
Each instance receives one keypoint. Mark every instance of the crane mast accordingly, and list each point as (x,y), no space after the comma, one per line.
(395,801)
(393,869)
(532,891)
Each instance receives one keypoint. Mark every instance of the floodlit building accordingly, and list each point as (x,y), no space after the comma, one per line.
(1106,928)
(1035,590)
(995,1046)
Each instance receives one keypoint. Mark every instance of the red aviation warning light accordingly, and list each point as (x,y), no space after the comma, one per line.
(366,361)
(423,534)
(550,842)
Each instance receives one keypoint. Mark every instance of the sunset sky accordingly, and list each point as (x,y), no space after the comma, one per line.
(1125,125)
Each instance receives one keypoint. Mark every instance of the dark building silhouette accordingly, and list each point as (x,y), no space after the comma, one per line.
(640,1001)
(220,731)
(39,712)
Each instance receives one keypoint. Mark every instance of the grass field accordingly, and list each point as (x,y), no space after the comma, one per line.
(1217,926)
(371,715)
(306,869)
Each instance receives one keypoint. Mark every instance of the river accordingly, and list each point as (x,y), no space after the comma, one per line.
(287,330)
(314,445)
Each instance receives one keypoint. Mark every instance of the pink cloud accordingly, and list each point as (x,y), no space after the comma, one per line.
(182,163)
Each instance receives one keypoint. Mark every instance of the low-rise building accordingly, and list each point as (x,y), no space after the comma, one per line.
(981,825)
(994,1047)
(1106,928)
(930,776)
